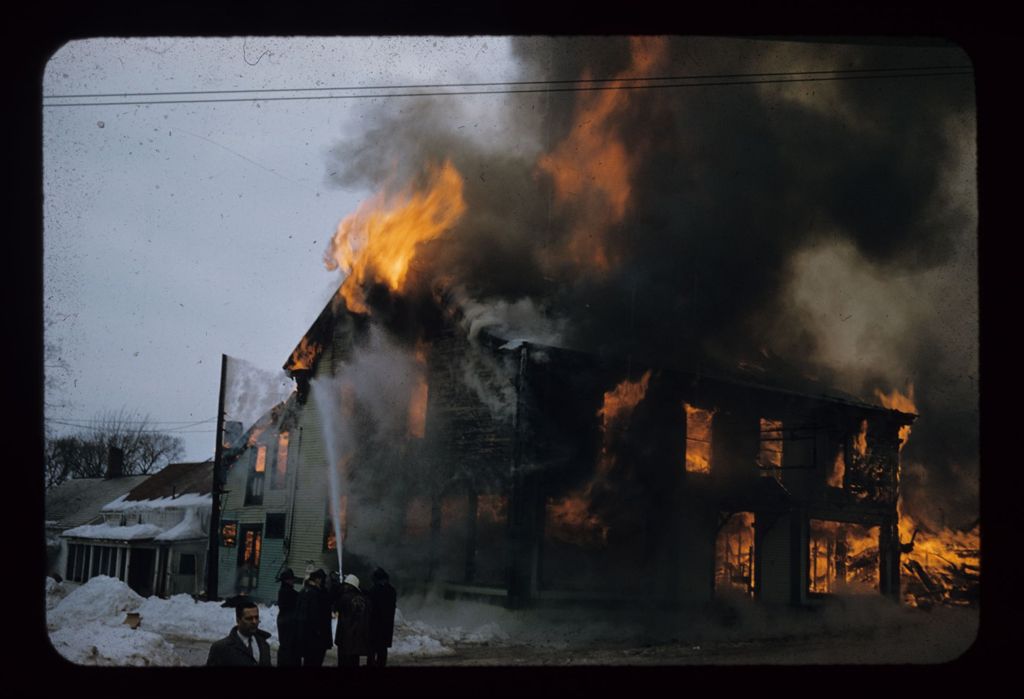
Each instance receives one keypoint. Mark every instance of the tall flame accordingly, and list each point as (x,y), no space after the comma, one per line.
(698,439)
(377,243)
(592,167)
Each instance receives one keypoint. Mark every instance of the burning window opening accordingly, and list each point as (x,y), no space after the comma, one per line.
(769,457)
(491,509)
(698,439)
(734,555)
(843,558)
(418,409)
(281,463)
(261,459)
(330,538)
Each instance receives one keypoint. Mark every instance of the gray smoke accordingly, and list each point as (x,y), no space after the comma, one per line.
(826,226)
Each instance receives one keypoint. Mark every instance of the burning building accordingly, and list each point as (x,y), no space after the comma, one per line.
(560,475)
(549,371)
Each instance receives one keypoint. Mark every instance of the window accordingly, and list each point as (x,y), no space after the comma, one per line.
(769,456)
(280,473)
(275,525)
(187,564)
(254,489)
(228,534)
(698,439)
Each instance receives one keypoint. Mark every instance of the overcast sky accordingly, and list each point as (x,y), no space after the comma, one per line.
(832,224)
(174,233)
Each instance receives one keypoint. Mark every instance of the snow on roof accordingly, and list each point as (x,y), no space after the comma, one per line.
(122,504)
(190,527)
(78,500)
(115,532)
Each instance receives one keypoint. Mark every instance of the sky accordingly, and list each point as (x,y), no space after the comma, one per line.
(179,232)
(828,225)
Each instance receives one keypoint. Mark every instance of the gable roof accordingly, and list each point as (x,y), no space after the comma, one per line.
(79,500)
(174,480)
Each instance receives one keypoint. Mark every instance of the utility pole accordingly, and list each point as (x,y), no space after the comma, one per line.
(213,547)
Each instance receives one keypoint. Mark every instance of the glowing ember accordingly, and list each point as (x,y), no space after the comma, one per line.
(698,439)
(377,243)
(491,508)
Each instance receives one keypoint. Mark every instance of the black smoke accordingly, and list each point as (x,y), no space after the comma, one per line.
(730,184)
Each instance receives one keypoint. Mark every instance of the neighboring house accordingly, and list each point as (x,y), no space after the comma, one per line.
(77,502)
(153,537)
(600,479)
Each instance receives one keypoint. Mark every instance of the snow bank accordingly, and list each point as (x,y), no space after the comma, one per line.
(417,637)
(102,599)
(182,616)
(97,643)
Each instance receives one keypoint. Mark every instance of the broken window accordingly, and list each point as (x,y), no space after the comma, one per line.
(275,525)
(698,439)
(228,534)
(769,456)
(842,558)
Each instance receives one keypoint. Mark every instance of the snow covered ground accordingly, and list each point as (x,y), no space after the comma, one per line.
(87,626)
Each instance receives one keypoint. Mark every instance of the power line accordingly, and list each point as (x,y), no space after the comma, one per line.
(140,422)
(510,92)
(511,82)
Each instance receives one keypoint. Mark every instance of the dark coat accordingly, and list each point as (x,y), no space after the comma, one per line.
(353,634)
(313,617)
(383,600)
(231,651)
(287,625)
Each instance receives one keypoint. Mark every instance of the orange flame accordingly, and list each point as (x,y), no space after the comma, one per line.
(304,355)
(592,167)
(860,440)
(843,557)
(938,565)
(698,439)
(377,243)
(902,402)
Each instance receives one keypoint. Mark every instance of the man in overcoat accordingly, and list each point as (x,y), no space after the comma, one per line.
(288,654)
(245,645)
(313,613)
(383,600)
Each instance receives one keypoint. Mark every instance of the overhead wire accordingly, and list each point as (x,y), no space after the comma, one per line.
(587,85)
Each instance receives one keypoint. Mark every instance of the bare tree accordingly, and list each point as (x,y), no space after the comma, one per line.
(83,454)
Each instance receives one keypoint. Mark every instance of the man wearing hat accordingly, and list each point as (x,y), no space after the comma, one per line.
(245,645)
(383,599)
(352,635)
(313,613)
(288,654)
